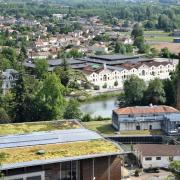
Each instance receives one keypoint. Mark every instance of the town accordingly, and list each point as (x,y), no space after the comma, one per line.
(90,90)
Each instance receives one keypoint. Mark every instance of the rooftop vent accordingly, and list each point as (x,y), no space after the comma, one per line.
(40,152)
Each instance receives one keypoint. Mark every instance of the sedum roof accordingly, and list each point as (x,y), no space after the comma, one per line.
(29,127)
(60,150)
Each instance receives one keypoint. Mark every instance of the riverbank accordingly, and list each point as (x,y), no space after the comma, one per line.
(100,97)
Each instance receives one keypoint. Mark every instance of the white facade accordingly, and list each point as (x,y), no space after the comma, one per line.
(106,78)
(120,74)
(157,161)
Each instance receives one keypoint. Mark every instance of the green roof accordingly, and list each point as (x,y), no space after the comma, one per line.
(61,150)
(29,127)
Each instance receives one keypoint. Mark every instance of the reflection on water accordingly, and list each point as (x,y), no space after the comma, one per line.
(100,108)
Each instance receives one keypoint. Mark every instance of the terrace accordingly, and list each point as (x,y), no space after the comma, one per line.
(30,127)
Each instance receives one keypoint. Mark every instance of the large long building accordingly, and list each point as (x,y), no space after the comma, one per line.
(151,117)
(60,150)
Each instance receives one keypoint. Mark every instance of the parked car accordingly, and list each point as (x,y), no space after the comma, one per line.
(152,170)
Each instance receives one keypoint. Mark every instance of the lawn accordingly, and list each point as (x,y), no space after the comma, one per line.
(142,132)
(156,33)
(160,38)
(25,128)
(104,127)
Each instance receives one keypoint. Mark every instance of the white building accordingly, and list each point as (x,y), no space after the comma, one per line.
(9,76)
(162,117)
(144,70)
(104,76)
(156,155)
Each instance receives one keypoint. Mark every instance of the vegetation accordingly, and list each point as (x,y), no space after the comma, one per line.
(175,167)
(104,127)
(52,151)
(29,127)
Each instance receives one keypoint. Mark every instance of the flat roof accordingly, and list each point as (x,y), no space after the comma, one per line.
(29,127)
(114,57)
(28,156)
(52,137)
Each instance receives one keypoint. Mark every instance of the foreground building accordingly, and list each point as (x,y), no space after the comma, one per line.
(61,150)
(156,155)
(151,117)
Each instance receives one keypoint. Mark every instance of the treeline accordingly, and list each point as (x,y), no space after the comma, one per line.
(137,92)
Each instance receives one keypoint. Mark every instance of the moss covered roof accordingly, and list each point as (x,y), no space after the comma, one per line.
(54,151)
(29,127)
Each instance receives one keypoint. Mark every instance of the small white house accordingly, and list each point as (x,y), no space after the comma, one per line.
(156,155)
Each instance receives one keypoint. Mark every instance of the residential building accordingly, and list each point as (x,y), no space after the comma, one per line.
(59,150)
(156,155)
(104,76)
(151,117)
(9,76)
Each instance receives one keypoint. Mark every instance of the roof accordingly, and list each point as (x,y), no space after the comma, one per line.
(27,156)
(158,149)
(51,137)
(29,127)
(145,110)
(59,140)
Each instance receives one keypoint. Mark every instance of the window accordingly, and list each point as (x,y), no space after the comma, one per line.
(143,73)
(158,158)
(148,158)
(28,176)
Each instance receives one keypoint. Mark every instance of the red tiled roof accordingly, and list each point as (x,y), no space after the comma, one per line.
(158,149)
(145,110)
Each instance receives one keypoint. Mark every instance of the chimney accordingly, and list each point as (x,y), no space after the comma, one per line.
(178,86)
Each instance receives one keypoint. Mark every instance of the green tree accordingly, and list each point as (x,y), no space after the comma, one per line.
(51,98)
(4,117)
(165,53)
(72,110)
(134,89)
(155,93)
(137,31)
(175,167)
(41,68)
(139,43)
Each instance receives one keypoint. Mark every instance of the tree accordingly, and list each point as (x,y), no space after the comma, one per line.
(139,43)
(137,31)
(169,92)
(41,68)
(51,99)
(63,73)
(134,89)
(165,53)
(72,110)
(155,93)
(175,167)
(4,118)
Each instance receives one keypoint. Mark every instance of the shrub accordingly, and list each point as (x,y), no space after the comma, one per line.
(96,87)
(116,83)
(86,118)
(105,86)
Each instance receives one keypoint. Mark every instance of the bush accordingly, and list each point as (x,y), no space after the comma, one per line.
(96,87)
(86,118)
(116,83)
(105,86)
(4,118)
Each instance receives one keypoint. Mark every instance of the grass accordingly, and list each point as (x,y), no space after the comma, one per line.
(53,151)
(156,33)
(160,38)
(25,128)
(142,132)
(104,127)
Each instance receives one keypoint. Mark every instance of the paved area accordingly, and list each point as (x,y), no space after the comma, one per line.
(162,175)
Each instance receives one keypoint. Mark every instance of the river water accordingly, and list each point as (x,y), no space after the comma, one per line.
(101,108)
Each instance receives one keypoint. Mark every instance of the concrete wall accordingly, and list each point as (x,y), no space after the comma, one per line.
(164,162)
(131,126)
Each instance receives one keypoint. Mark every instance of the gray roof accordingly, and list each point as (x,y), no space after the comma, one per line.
(41,138)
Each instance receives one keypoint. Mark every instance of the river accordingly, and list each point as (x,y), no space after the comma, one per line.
(101,108)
